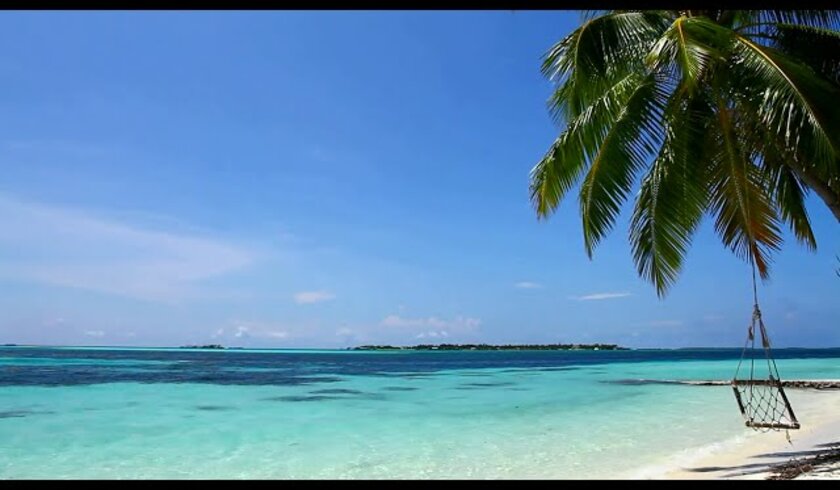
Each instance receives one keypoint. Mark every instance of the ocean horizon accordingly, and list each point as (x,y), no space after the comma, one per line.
(71,412)
(354,348)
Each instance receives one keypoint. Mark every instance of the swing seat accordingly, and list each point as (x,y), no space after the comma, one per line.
(761,398)
(772,425)
(764,405)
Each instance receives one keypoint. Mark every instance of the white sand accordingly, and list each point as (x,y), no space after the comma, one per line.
(749,456)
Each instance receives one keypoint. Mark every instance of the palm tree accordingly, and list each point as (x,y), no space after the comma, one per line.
(731,114)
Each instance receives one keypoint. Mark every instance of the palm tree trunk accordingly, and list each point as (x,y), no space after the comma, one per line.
(831,198)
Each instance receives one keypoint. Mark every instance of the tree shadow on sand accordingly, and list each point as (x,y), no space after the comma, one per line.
(797,463)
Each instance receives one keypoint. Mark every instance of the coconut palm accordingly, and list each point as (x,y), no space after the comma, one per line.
(731,114)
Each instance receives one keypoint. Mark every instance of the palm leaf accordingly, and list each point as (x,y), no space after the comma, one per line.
(689,44)
(829,19)
(778,164)
(798,106)
(790,198)
(746,220)
(738,109)
(817,47)
(622,154)
(672,196)
(568,157)
(592,58)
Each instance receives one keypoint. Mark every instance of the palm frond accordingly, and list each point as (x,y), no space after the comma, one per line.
(569,156)
(795,104)
(735,112)
(778,164)
(813,18)
(690,44)
(622,154)
(672,196)
(589,60)
(817,47)
(587,15)
(746,220)
(790,198)
(752,20)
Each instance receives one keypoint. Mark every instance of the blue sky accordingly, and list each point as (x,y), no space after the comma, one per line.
(323,179)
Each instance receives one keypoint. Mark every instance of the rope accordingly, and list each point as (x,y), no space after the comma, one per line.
(763,403)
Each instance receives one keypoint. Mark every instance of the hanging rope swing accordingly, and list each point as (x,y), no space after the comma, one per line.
(760,397)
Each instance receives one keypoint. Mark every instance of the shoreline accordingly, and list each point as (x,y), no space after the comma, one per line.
(755,455)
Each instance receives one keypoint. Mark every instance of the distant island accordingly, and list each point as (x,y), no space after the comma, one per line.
(493,347)
(208,346)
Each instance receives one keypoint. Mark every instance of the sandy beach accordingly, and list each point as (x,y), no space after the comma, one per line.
(754,454)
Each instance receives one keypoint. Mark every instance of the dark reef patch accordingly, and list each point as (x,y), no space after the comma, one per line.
(400,388)
(59,368)
(11,414)
(213,408)
(490,384)
(423,375)
(337,391)
(639,382)
(8,414)
(300,398)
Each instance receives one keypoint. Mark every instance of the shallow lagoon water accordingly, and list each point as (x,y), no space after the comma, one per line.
(170,413)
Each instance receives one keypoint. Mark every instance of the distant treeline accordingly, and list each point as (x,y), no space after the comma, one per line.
(494,347)
(208,346)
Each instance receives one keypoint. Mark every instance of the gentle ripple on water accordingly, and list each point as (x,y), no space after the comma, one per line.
(170,413)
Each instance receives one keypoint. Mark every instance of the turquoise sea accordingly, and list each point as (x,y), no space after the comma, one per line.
(172,413)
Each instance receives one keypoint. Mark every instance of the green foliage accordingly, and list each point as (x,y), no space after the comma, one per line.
(730,114)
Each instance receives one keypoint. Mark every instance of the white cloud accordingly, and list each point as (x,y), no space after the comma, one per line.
(245,330)
(527,285)
(94,333)
(73,248)
(600,296)
(344,331)
(432,334)
(309,297)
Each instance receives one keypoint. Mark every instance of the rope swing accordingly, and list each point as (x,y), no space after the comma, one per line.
(760,397)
